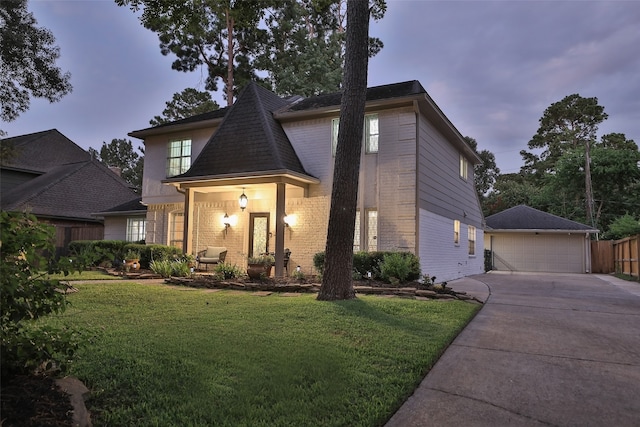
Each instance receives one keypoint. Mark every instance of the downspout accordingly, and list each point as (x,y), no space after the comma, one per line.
(417,225)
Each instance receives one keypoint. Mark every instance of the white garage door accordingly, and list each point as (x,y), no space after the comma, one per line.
(553,253)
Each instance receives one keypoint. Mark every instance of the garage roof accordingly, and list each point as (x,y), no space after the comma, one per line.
(526,218)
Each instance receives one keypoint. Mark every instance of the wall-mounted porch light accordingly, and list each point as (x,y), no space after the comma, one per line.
(226,221)
(289,220)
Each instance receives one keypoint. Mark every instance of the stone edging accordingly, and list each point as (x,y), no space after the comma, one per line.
(406,292)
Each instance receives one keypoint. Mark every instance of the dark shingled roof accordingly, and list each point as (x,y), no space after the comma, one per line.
(132,206)
(248,140)
(396,90)
(42,151)
(523,217)
(73,191)
(210,115)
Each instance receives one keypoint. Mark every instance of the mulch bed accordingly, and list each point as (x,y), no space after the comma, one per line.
(34,401)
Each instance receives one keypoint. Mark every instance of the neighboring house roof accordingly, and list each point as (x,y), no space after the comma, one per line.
(525,218)
(73,191)
(132,207)
(41,151)
(248,141)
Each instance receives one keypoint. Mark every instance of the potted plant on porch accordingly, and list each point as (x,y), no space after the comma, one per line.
(132,260)
(259,267)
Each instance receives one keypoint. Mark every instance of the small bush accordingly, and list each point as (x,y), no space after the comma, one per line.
(180,269)
(228,271)
(370,262)
(161,267)
(318,262)
(395,268)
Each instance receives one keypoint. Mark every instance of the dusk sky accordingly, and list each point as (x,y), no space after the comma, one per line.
(493,67)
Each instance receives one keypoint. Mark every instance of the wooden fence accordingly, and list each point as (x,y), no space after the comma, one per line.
(626,256)
(602,259)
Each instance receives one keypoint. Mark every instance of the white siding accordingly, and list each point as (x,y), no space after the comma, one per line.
(439,256)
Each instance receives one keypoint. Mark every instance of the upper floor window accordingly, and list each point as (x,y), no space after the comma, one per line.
(370,136)
(472,239)
(456,232)
(136,229)
(178,157)
(464,166)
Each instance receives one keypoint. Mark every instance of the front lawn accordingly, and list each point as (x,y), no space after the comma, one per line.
(161,356)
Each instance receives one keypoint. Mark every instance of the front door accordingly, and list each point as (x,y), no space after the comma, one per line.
(258,233)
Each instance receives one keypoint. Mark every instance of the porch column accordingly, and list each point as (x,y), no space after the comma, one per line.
(280,200)
(187,236)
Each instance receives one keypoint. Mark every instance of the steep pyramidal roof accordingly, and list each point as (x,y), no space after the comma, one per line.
(523,217)
(249,140)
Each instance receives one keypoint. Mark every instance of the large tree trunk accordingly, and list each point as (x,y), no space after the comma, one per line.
(336,280)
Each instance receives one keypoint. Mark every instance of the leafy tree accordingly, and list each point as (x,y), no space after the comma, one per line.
(27,295)
(624,226)
(336,279)
(120,153)
(567,124)
(511,190)
(306,52)
(486,173)
(297,42)
(187,103)
(614,173)
(27,61)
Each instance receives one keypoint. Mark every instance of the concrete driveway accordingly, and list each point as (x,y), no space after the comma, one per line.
(545,350)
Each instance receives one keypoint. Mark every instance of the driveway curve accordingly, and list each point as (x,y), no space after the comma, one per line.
(545,350)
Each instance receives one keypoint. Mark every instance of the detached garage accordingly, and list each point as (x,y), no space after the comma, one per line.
(526,239)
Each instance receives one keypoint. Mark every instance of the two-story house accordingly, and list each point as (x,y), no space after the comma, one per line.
(256,177)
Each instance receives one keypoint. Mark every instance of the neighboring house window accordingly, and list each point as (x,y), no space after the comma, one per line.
(372,230)
(356,234)
(136,229)
(178,157)
(456,232)
(472,240)
(464,167)
(177,229)
(370,136)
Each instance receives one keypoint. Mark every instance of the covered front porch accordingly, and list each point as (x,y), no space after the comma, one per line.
(245,215)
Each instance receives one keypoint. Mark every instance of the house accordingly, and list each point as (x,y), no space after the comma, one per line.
(51,177)
(522,238)
(257,176)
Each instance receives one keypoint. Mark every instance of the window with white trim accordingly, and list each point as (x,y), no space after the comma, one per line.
(370,136)
(471,231)
(178,157)
(176,231)
(464,167)
(136,229)
(456,232)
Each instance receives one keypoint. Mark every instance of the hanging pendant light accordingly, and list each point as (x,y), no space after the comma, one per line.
(243,200)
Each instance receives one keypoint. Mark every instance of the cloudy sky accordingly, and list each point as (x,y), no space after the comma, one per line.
(493,67)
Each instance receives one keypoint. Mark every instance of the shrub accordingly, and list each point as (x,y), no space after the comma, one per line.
(228,271)
(27,295)
(318,262)
(180,268)
(370,262)
(395,268)
(161,267)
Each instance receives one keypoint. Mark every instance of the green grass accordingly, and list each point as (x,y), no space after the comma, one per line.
(160,356)
(84,275)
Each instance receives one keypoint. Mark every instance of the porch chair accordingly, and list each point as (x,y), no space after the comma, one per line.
(211,255)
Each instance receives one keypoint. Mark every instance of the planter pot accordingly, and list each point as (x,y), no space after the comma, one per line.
(132,264)
(258,271)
